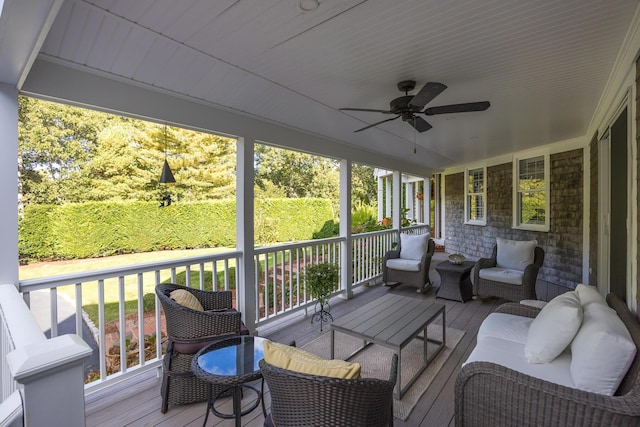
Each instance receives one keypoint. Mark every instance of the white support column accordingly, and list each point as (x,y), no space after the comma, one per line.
(387,195)
(346,257)
(397,199)
(9,184)
(380,198)
(245,211)
(426,205)
(410,201)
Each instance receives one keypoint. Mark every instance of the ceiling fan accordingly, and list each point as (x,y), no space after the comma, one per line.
(408,106)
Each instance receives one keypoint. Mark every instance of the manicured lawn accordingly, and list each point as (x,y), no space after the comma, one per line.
(111,286)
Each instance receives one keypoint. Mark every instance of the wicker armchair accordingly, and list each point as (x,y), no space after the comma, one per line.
(508,291)
(301,400)
(488,394)
(418,278)
(188,331)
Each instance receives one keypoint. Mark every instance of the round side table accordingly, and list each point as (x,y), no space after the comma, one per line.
(231,363)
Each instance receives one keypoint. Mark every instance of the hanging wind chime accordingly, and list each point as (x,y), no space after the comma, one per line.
(166,177)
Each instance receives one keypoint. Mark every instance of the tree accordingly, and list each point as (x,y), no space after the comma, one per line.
(69,154)
(297,174)
(54,143)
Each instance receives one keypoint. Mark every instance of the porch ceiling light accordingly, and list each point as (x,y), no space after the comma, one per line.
(166,177)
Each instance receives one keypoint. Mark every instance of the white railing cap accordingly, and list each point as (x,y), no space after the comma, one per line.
(35,360)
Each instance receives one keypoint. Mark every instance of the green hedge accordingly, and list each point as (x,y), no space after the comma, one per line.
(96,229)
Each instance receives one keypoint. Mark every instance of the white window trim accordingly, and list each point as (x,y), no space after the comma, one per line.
(547,177)
(468,221)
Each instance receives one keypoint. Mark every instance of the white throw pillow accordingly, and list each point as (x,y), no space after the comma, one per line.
(413,246)
(515,254)
(589,294)
(601,352)
(553,328)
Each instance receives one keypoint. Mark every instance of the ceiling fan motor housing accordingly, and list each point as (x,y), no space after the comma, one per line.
(401,105)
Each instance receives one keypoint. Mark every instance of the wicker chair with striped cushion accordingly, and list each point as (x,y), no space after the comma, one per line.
(189,330)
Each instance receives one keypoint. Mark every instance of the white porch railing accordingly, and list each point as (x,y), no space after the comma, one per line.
(115,298)
(279,275)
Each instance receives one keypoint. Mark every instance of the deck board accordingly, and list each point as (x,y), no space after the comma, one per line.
(136,401)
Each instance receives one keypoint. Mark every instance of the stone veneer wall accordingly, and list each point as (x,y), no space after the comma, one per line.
(562,268)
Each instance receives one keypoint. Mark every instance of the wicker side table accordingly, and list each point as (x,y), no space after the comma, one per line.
(231,363)
(455,281)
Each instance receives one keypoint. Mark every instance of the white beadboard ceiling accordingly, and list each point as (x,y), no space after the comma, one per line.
(542,64)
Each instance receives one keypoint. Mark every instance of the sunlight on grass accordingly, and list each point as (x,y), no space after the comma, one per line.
(90,296)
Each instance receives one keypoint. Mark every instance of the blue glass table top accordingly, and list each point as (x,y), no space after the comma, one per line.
(240,358)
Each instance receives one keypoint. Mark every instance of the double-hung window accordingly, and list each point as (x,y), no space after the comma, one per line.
(475,196)
(531,192)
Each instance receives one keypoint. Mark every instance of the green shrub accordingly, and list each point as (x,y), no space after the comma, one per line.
(94,229)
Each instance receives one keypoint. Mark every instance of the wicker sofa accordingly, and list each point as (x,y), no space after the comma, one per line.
(489,394)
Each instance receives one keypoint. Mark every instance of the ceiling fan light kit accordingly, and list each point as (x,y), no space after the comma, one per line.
(408,106)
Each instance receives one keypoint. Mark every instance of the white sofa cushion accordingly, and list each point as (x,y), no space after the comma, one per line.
(508,353)
(505,326)
(515,254)
(413,246)
(403,264)
(602,351)
(589,294)
(504,275)
(553,328)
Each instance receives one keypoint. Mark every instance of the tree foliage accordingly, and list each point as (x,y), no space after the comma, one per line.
(69,154)
(74,155)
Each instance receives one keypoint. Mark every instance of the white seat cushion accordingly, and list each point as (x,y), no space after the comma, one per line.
(413,246)
(504,275)
(515,254)
(602,351)
(403,264)
(553,328)
(505,326)
(510,354)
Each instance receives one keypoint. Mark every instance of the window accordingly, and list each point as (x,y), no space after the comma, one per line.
(531,193)
(476,194)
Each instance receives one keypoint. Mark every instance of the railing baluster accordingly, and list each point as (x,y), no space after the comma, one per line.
(79,314)
(141,340)
(103,341)
(123,326)
(53,296)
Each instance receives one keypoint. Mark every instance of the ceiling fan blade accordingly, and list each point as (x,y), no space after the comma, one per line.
(429,91)
(457,108)
(375,124)
(366,109)
(420,124)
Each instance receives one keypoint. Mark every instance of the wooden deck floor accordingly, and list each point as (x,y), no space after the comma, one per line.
(136,402)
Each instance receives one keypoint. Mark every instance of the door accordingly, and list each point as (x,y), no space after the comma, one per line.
(613,202)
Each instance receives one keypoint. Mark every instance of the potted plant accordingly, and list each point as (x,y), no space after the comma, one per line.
(322,279)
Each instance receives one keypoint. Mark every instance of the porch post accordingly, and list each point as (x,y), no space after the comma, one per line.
(380,199)
(397,200)
(346,257)
(245,211)
(426,202)
(410,200)
(387,196)
(9,184)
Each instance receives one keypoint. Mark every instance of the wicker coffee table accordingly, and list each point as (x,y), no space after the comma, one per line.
(231,363)
(393,321)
